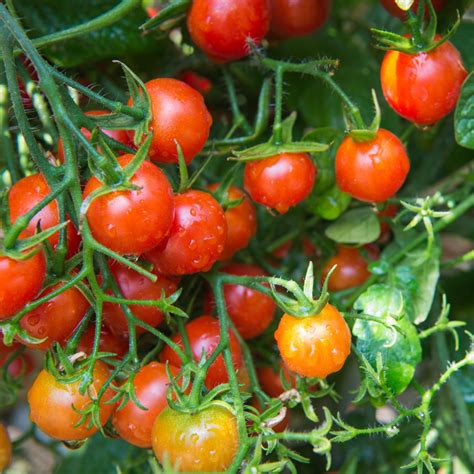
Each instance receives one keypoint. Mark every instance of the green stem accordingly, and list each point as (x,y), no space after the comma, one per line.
(277,122)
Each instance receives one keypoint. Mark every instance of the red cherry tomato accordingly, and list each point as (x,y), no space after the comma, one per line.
(108,342)
(121,136)
(251,311)
(291,18)
(315,346)
(136,287)
(153,8)
(423,87)
(196,81)
(26,194)
(385,230)
(56,319)
(351,271)
(280,181)
(395,10)
(54,405)
(22,365)
(372,171)
(5,448)
(134,424)
(197,238)
(222,28)
(20,282)
(179,115)
(206,441)
(132,222)
(203,334)
(241,221)
(271,382)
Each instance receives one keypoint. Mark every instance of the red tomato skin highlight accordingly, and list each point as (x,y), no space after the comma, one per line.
(424,87)
(372,171)
(221,28)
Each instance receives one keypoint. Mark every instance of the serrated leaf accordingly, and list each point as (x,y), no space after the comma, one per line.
(464,116)
(358,226)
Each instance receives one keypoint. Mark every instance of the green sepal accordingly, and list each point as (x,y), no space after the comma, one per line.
(168,16)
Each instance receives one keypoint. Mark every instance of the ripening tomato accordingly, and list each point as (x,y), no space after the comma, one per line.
(56,319)
(24,195)
(352,268)
(395,10)
(204,335)
(222,28)
(121,136)
(423,87)
(134,424)
(206,441)
(271,382)
(374,170)
(179,116)
(136,287)
(108,342)
(280,181)
(5,448)
(54,405)
(197,238)
(20,282)
(291,18)
(132,222)
(315,346)
(251,311)
(241,221)
(196,81)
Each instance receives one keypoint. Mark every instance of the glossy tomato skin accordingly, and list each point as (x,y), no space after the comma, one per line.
(136,287)
(315,346)
(251,311)
(271,381)
(197,237)
(180,115)
(395,10)
(423,87)
(56,319)
(26,194)
(5,448)
(292,18)
(131,422)
(20,282)
(351,271)
(374,170)
(132,222)
(241,221)
(51,404)
(206,441)
(280,181)
(108,342)
(204,335)
(221,28)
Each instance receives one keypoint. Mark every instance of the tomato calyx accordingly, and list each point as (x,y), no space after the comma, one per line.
(369,133)
(423,36)
(167,17)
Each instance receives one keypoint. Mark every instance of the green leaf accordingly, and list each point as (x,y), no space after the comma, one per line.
(358,226)
(330,204)
(265,150)
(400,350)
(168,16)
(464,117)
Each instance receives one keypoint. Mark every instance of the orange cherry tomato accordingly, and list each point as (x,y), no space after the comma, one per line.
(5,448)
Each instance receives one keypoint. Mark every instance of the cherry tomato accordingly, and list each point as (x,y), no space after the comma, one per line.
(53,405)
(132,222)
(134,424)
(20,282)
(385,230)
(395,10)
(26,194)
(204,335)
(271,382)
(108,342)
(197,238)
(121,136)
(241,221)
(315,346)
(21,366)
(179,116)
(56,319)
(280,181)
(372,171)
(196,81)
(309,249)
(5,448)
(153,8)
(291,18)
(222,28)
(423,87)
(251,311)
(351,271)
(206,441)
(136,287)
